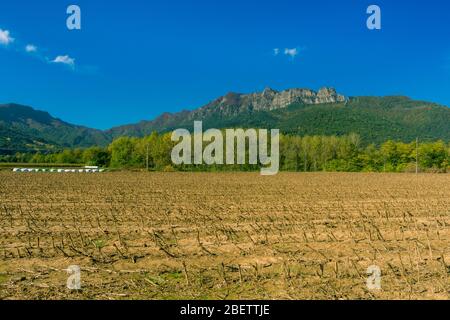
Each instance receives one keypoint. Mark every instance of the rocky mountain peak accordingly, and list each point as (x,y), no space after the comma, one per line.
(271,99)
(269,92)
(329,95)
(267,100)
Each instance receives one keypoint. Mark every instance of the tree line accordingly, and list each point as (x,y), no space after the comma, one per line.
(302,154)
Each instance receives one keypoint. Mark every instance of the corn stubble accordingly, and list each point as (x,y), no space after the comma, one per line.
(224,235)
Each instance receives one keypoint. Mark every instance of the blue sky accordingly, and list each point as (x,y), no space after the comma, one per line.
(135,59)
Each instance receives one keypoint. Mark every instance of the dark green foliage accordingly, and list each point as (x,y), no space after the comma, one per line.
(24,129)
(96,156)
(375,120)
(302,154)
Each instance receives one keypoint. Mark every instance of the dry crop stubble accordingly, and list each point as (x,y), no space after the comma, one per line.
(224,235)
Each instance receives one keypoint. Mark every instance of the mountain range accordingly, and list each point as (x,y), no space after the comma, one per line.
(293,111)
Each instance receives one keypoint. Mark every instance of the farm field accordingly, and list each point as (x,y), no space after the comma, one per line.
(224,235)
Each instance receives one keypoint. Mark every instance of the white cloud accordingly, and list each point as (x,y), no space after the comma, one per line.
(65,60)
(291,52)
(5,37)
(30,48)
(276,51)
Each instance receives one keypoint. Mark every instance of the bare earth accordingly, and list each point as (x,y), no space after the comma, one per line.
(224,235)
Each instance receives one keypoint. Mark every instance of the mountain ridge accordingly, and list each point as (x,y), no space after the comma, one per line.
(293,111)
(233,103)
(39,130)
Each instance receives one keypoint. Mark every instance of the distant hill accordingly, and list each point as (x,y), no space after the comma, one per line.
(305,112)
(22,128)
(293,111)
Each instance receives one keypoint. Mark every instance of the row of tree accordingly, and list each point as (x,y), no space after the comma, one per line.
(309,153)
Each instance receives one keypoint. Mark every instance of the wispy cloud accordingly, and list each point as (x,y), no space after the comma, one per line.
(30,48)
(291,52)
(65,60)
(5,37)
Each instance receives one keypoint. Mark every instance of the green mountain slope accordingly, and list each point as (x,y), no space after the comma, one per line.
(374,119)
(294,111)
(22,128)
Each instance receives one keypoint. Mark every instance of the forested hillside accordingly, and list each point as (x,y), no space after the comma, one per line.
(298,112)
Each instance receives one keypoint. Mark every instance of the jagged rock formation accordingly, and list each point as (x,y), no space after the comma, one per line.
(268,100)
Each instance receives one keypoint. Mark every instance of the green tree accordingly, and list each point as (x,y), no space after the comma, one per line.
(122,152)
(96,156)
